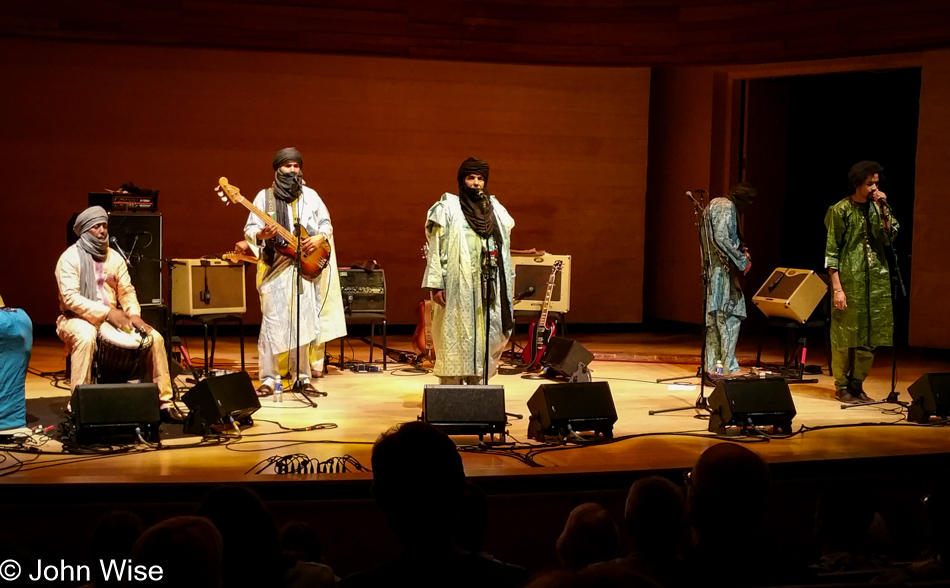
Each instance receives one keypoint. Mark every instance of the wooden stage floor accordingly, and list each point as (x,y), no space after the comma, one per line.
(360,406)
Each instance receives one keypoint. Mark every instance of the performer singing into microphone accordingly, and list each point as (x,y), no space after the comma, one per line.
(469,235)
(725,302)
(93,284)
(289,201)
(859,227)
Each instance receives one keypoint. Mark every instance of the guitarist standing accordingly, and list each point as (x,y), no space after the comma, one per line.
(729,261)
(289,202)
(469,269)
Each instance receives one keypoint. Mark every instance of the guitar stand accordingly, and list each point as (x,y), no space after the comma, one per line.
(796,365)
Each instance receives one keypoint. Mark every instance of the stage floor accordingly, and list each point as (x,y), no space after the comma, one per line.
(360,406)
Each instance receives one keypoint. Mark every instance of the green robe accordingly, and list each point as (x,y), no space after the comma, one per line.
(855,247)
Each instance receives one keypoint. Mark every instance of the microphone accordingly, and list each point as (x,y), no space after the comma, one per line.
(482,194)
(689,194)
(296,189)
(881,202)
(115,245)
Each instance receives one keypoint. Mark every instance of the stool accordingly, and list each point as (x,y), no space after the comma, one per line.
(370,318)
(214,320)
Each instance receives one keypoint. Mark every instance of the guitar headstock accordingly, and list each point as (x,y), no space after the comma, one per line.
(227,192)
(558,265)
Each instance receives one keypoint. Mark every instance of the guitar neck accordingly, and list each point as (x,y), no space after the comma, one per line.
(546,303)
(281,230)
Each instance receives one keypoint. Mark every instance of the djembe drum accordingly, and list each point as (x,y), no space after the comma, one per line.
(120,354)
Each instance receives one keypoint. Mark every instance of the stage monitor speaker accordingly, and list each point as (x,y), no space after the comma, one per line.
(559,409)
(534,271)
(791,294)
(363,291)
(101,411)
(753,402)
(465,410)
(218,399)
(566,356)
(931,396)
(140,237)
(208,286)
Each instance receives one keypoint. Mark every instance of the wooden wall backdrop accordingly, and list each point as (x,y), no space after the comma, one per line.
(602,32)
(930,279)
(382,138)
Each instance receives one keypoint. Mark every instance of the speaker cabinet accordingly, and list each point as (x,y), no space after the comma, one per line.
(216,400)
(140,237)
(559,409)
(208,286)
(565,356)
(101,411)
(791,294)
(534,271)
(931,396)
(465,410)
(363,291)
(754,402)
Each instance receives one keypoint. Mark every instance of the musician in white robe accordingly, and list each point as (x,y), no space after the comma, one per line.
(95,288)
(289,202)
(469,238)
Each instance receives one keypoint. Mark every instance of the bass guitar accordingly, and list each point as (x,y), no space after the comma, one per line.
(311,264)
(541,331)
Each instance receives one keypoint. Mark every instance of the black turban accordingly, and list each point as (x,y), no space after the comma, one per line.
(286,155)
(473,165)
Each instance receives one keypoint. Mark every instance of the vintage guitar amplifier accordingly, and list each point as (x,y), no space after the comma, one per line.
(534,271)
(363,291)
(208,286)
(791,294)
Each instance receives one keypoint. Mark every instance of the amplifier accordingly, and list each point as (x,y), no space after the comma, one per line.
(208,286)
(363,291)
(534,271)
(124,202)
(791,294)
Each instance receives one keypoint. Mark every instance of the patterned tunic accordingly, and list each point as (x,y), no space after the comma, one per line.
(855,247)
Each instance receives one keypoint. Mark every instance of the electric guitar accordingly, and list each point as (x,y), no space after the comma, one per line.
(422,339)
(311,264)
(541,331)
(235,257)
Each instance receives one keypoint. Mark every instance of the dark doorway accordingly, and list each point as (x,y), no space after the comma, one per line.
(810,130)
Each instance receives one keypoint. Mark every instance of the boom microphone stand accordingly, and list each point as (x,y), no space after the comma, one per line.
(698,212)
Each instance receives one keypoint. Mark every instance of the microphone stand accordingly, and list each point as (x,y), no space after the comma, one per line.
(701,402)
(897,282)
(297,388)
(488,298)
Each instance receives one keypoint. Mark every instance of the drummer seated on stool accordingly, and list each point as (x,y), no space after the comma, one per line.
(95,288)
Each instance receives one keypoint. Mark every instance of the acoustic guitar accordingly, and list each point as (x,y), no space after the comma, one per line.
(541,331)
(311,264)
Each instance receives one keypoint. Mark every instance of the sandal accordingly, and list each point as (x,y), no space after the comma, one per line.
(264,391)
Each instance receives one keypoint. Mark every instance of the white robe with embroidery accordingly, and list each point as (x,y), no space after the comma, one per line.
(454,264)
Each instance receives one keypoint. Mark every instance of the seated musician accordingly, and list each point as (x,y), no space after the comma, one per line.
(95,288)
